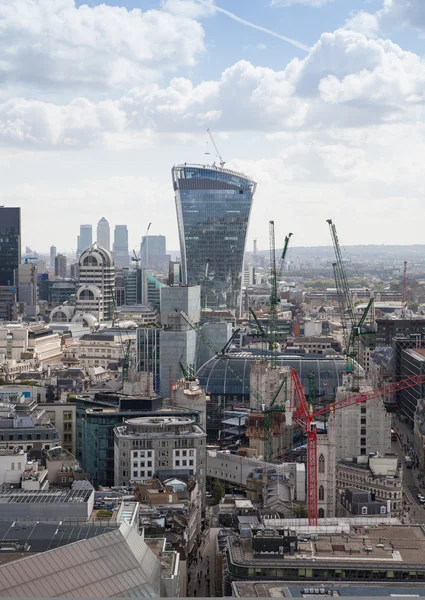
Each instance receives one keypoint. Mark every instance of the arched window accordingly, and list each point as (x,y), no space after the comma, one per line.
(321,464)
(90,261)
(86,295)
(321,513)
(321,493)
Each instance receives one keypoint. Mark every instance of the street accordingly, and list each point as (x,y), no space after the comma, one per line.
(412,487)
(202,572)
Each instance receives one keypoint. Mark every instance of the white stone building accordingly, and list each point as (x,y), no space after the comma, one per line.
(96,283)
(159,446)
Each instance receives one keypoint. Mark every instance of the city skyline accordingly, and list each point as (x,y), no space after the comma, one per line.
(331,125)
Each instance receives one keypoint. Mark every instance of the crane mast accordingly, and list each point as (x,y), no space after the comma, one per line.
(304,417)
(273,292)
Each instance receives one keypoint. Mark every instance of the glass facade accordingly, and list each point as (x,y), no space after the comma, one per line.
(213,208)
(10,245)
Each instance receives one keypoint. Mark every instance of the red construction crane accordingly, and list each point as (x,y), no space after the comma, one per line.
(306,418)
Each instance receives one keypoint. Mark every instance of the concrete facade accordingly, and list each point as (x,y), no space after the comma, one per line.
(363,428)
(236,469)
(161,446)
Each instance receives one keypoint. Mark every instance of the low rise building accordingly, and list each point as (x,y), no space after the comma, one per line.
(43,504)
(173,508)
(390,554)
(31,433)
(316,344)
(63,416)
(379,476)
(13,462)
(23,343)
(101,348)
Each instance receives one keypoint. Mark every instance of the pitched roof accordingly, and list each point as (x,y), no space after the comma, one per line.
(118,563)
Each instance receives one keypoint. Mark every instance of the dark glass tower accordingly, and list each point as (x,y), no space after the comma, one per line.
(10,245)
(213,207)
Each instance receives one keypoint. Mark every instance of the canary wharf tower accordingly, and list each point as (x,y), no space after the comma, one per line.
(213,206)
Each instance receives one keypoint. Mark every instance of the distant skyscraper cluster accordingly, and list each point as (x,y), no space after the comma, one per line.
(103,238)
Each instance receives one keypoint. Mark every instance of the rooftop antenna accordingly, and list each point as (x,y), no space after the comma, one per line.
(222,163)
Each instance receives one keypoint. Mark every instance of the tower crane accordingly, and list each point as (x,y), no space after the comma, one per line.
(404,296)
(136,258)
(275,275)
(353,330)
(267,410)
(222,163)
(306,418)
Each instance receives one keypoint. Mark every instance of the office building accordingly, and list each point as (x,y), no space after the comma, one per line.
(161,446)
(96,283)
(103,236)
(389,555)
(177,338)
(10,245)
(153,253)
(120,248)
(85,239)
(10,259)
(147,353)
(60,266)
(213,208)
(28,288)
(96,419)
(387,329)
(52,256)
(412,362)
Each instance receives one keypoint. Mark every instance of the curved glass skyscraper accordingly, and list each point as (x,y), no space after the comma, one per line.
(213,207)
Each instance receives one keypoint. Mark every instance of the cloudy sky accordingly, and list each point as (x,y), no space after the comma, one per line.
(321,101)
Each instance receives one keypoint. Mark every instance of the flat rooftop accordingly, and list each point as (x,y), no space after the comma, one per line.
(41,537)
(9,496)
(283,589)
(394,545)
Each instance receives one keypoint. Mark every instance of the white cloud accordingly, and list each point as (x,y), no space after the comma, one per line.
(364,22)
(189,8)
(314,3)
(403,12)
(53,43)
(347,80)
(358,177)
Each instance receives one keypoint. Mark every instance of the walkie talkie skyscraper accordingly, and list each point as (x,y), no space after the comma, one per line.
(213,207)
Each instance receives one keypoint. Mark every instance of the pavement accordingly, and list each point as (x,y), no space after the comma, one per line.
(202,573)
(413,479)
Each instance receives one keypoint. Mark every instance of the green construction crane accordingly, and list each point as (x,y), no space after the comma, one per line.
(268,419)
(274,297)
(354,332)
(126,361)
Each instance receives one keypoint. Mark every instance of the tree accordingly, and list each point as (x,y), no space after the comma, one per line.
(300,512)
(217,491)
(413,306)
